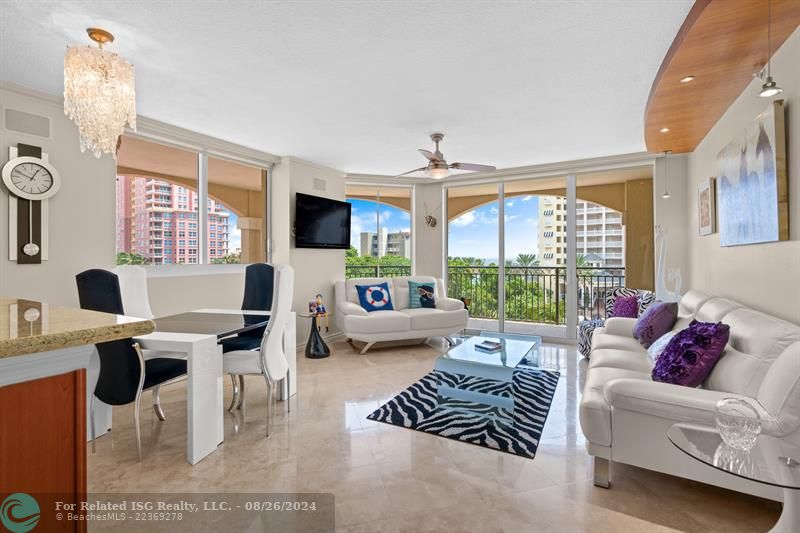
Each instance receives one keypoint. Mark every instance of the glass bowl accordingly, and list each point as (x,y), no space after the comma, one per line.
(738,423)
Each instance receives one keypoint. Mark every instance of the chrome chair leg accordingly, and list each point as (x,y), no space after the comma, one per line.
(91,421)
(241,393)
(269,401)
(235,398)
(157,403)
(136,424)
(288,383)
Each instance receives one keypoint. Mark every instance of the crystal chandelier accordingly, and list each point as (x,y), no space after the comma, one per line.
(99,94)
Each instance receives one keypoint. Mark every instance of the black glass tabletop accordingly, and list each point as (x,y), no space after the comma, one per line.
(221,324)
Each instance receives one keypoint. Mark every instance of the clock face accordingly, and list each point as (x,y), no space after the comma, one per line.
(31,178)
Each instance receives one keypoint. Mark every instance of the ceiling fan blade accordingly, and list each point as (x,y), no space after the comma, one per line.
(430,156)
(411,171)
(473,167)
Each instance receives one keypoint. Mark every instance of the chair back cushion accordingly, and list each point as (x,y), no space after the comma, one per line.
(259,283)
(272,346)
(120,367)
(133,288)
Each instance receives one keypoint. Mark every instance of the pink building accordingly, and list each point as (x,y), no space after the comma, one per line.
(158,220)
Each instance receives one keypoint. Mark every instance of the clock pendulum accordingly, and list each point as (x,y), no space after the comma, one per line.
(31,248)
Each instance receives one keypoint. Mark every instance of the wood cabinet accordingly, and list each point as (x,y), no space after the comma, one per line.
(43,444)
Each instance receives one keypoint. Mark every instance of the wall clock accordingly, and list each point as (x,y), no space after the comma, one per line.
(31,180)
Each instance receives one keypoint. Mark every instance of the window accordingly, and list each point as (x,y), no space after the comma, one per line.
(158,192)
(380,232)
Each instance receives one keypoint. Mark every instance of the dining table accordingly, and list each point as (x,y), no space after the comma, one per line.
(195,336)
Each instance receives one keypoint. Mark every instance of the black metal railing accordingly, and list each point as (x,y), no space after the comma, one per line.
(532,294)
(371,271)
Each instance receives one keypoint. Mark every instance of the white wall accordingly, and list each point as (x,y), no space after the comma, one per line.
(672,213)
(315,270)
(82,213)
(428,242)
(764,276)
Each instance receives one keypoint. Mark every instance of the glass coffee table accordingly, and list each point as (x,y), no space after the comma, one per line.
(477,382)
(772,461)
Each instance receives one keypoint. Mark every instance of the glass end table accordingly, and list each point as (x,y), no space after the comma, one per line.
(772,461)
(316,347)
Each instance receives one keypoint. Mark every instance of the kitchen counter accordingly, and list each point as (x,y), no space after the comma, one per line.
(28,327)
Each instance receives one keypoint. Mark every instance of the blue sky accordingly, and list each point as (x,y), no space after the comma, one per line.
(364,217)
(474,233)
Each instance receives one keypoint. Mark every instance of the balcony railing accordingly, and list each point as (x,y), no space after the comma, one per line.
(371,271)
(532,294)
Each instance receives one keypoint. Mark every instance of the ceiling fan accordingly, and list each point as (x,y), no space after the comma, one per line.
(438,167)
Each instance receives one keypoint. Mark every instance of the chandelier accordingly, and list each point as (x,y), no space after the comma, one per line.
(99,94)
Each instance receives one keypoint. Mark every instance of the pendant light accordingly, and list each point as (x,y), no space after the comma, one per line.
(770,88)
(99,93)
(665,196)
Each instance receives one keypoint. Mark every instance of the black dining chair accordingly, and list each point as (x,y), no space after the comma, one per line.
(259,284)
(124,373)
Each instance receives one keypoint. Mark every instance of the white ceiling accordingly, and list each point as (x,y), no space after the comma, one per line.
(359,85)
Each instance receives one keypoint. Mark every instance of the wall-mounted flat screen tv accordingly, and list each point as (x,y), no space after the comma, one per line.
(321,223)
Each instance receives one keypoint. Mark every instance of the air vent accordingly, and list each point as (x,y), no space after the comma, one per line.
(320,185)
(28,123)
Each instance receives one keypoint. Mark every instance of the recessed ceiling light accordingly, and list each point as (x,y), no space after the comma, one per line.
(687,79)
(664,130)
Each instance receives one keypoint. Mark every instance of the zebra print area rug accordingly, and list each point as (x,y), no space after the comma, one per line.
(418,408)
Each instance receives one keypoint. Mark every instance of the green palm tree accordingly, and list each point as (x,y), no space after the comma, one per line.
(527,260)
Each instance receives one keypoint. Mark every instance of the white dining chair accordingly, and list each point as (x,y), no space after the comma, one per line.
(136,302)
(270,361)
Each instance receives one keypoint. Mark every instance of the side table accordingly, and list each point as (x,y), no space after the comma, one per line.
(316,347)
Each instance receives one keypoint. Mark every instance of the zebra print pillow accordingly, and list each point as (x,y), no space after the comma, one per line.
(645,298)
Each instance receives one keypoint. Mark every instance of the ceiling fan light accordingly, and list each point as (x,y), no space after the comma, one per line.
(770,88)
(438,173)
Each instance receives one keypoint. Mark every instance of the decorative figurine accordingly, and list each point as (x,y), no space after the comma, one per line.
(321,311)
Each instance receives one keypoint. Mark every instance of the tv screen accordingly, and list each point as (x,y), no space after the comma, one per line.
(321,223)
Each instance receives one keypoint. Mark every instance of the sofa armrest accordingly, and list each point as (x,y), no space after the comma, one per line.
(620,326)
(449,304)
(349,308)
(674,402)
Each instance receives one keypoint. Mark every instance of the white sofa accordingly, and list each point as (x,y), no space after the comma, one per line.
(625,415)
(402,323)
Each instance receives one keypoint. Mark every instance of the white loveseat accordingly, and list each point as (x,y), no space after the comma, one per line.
(625,415)
(402,323)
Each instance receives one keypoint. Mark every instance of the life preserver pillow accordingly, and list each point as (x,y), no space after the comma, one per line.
(375,297)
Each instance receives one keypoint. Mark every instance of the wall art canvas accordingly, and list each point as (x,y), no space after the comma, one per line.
(752,184)
(707,206)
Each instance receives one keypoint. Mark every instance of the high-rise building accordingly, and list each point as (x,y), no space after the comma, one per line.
(600,235)
(158,220)
(398,243)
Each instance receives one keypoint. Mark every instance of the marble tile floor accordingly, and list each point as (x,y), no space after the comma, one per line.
(390,479)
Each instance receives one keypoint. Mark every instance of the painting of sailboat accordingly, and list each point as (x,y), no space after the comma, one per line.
(752,184)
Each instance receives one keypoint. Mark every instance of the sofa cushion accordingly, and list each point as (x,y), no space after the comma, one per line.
(622,359)
(595,412)
(690,303)
(375,297)
(655,322)
(378,322)
(715,309)
(424,318)
(615,342)
(421,294)
(401,289)
(691,354)
(351,293)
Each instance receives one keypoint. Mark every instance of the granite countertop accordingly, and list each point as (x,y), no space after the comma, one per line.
(28,326)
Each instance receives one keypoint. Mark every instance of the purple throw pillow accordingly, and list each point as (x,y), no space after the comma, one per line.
(655,322)
(691,354)
(626,306)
